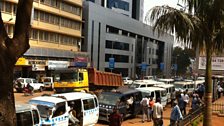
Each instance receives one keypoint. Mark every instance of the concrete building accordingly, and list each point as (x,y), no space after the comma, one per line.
(130,8)
(130,42)
(55,36)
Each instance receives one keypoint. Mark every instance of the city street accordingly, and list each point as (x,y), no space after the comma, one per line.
(217,121)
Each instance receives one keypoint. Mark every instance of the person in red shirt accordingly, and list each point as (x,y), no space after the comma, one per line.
(115,118)
(151,103)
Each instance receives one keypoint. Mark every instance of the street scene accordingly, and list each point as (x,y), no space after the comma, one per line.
(111,62)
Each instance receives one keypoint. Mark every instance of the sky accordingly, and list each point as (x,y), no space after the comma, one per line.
(148,4)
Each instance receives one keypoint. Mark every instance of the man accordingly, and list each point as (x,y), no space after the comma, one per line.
(115,118)
(151,104)
(175,115)
(145,108)
(158,113)
(186,100)
(72,115)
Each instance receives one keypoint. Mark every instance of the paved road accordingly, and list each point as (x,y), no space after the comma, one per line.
(217,121)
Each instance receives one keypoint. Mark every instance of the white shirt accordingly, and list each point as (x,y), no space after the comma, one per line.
(157,110)
(186,98)
(147,101)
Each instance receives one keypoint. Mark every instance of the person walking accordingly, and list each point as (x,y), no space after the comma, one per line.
(145,109)
(175,115)
(186,100)
(151,104)
(115,118)
(180,103)
(158,113)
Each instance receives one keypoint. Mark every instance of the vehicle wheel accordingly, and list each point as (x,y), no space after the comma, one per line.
(41,89)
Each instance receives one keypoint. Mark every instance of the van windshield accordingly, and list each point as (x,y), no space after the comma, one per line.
(163,93)
(108,99)
(178,86)
(44,111)
(134,85)
(24,119)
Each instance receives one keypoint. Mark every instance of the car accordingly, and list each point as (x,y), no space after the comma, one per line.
(48,82)
(21,83)
(127,80)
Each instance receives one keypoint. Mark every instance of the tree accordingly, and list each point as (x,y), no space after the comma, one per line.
(10,51)
(200,25)
(182,57)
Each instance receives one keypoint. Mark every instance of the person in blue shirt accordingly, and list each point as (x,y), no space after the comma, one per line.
(181,103)
(175,115)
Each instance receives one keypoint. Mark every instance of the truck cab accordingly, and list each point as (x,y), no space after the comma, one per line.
(27,115)
(70,80)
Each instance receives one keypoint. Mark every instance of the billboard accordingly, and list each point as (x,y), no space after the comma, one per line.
(217,63)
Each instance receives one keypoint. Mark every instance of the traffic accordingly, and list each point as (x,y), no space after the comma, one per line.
(85,96)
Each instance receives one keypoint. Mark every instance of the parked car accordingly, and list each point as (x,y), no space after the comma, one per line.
(21,83)
(127,80)
(27,115)
(119,98)
(48,82)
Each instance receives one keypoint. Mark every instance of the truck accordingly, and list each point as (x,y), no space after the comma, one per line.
(88,79)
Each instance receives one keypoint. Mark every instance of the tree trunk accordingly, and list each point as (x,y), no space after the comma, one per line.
(10,51)
(208,89)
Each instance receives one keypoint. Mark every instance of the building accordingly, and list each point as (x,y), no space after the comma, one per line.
(130,8)
(55,36)
(132,44)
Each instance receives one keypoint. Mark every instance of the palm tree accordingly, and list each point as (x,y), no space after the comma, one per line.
(200,25)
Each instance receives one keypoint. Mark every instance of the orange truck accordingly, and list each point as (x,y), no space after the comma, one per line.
(89,79)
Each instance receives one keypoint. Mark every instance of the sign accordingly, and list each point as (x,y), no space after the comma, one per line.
(79,64)
(161,66)
(111,63)
(22,61)
(57,64)
(38,67)
(143,66)
(217,63)
(175,67)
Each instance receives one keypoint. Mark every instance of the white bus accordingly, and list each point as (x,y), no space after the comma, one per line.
(169,88)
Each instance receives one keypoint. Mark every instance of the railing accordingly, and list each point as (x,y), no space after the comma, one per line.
(188,119)
(218,108)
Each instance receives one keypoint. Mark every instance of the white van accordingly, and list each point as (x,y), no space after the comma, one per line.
(155,92)
(53,110)
(169,89)
(183,85)
(86,106)
(144,83)
(27,115)
(166,81)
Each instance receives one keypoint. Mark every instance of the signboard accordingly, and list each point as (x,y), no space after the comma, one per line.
(57,64)
(217,63)
(143,66)
(175,67)
(161,66)
(111,63)
(80,62)
(38,67)
(22,61)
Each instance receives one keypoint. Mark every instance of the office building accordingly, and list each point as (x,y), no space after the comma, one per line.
(131,43)
(55,36)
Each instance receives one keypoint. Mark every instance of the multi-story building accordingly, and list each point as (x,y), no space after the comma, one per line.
(130,8)
(130,42)
(55,36)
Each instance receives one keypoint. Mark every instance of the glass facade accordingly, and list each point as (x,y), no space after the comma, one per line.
(117,45)
(118,4)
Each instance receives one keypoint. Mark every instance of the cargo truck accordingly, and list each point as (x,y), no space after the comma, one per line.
(89,79)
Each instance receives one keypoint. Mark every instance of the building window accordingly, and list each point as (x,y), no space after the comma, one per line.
(118,58)
(71,8)
(118,4)
(8,7)
(117,45)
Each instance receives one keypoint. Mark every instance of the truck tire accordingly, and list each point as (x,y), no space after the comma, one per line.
(41,89)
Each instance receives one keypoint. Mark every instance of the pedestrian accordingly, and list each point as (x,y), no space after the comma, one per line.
(151,104)
(158,113)
(145,109)
(219,88)
(175,115)
(72,117)
(186,100)
(115,118)
(194,103)
(180,103)
(173,97)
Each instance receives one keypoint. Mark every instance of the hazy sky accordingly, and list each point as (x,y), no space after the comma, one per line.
(148,4)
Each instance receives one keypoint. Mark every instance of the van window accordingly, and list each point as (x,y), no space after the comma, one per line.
(28,81)
(88,104)
(24,119)
(191,86)
(152,94)
(163,93)
(158,94)
(143,85)
(35,117)
(60,109)
(96,102)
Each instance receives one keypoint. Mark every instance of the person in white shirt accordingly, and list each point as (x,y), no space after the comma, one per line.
(145,109)
(158,113)
(186,100)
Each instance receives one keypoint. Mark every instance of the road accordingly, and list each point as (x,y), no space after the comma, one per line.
(218,121)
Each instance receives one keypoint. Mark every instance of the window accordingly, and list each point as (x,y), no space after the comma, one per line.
(8,7)
(2,5)
(36,14)
(118,58)
(88,104)
(96,102)
(35,117)
(143,85)
(60,109)
(80,76)
(24,118)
